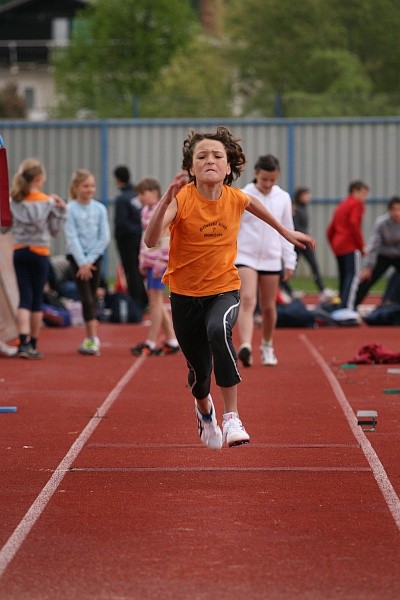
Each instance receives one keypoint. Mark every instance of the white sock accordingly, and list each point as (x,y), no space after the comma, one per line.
(229,415)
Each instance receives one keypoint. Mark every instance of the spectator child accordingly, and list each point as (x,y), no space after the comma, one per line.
(383,249)
(301,220)
(37,218)
(87,234)
(128,233)
(152,264)
(345,236)
(261,253)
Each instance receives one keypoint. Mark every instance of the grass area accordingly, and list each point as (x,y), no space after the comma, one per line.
(306,284)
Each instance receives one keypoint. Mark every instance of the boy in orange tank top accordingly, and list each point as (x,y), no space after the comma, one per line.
(203,213)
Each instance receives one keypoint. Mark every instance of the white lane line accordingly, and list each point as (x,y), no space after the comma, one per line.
(200,448)
(383,481)
(17,538)
(218,469)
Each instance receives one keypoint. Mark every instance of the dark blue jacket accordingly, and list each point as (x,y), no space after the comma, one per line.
(127,222)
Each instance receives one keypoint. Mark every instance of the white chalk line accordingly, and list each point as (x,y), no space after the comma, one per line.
(383,481)
(248,447)
(218,469)
(20,533)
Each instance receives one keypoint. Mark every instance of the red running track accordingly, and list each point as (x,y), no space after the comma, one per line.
(107,493)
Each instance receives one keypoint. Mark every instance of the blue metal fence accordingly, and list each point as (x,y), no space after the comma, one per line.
(324,155)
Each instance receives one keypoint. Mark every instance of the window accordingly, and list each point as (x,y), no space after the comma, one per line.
(30,98)
(60,31)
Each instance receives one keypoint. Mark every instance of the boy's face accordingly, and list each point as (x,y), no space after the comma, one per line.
(210,162)
(149,197)
(395,212)
(361,194)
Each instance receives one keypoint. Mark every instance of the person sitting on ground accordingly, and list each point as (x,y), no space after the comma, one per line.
(61,278)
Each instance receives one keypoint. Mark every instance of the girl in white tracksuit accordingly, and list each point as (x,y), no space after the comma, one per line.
(263,258)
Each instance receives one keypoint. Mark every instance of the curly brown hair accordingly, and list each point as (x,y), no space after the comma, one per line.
(235,155)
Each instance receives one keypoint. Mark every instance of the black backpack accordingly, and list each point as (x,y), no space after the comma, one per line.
(385,314)
(294,314)
(123,308)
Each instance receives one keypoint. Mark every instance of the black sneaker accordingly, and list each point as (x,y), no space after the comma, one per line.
(143,350)
(245,355)
(26,351)
(167,349)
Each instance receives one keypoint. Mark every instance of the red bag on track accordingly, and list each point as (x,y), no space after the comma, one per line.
(376,353)
(5,214)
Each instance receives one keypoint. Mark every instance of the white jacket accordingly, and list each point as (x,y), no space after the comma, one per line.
(259,245)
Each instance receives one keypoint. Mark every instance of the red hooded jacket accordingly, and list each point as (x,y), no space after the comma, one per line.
(344,232)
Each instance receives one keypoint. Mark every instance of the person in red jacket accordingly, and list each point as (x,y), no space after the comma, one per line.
(345,236)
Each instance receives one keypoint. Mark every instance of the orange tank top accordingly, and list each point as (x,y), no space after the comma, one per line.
(203,243)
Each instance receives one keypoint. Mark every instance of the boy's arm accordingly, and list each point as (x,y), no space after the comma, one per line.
(256,208)
(165,211)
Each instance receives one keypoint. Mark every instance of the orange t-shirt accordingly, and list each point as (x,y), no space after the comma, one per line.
(203,243)
(36,197)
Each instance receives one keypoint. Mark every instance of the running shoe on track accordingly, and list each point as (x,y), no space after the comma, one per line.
(166,349)
(143,349)
(209,430)
(245,354)
(6,350)
(27,351)
(233,431)
(90,347)
(268,358)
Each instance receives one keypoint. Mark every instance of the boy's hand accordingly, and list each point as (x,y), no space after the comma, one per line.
(176,184)
(302,240)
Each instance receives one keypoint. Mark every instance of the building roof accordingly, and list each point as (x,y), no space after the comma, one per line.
(10,5)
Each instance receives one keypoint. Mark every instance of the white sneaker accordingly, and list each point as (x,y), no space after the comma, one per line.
(233,432)
(209,431)
(90,346)
(327,294)
(6,350)
(268,358)
(298,294)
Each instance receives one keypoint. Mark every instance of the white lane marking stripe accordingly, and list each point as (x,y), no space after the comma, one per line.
(17,538)
(377,468)
(218,469)
(200,448)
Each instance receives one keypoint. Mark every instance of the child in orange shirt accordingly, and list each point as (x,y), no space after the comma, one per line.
(37,218)
(204,217)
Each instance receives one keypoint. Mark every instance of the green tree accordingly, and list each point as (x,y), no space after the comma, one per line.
(117,49)
(372,32)
(197,83)
(319,57)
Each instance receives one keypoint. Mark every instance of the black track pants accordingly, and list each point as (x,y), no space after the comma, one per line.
(203,327)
